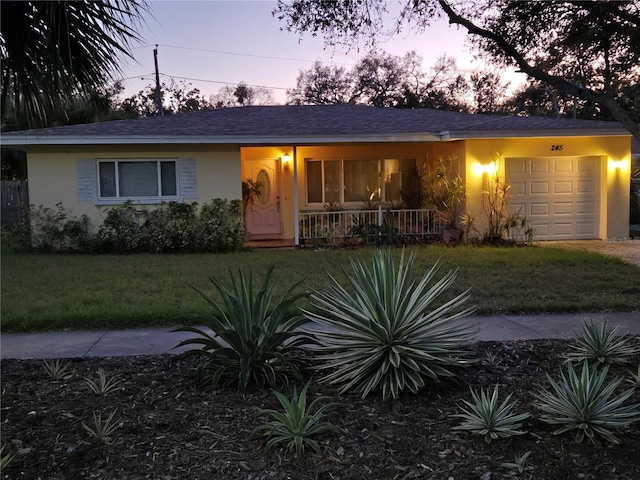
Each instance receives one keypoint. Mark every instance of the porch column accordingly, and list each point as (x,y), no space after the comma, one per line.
(295,198)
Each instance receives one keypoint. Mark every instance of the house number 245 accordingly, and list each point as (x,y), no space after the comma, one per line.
(556,148)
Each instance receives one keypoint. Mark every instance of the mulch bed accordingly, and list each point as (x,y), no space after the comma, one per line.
(170,429)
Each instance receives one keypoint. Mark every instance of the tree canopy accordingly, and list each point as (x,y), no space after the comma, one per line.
(584,49)
(53,51)
(388,80)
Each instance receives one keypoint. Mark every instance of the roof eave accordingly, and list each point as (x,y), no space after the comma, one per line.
(33,140)
(479,134)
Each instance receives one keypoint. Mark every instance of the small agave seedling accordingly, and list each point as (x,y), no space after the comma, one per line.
(489,418)
(634,378)
(103,385)
(519,464)
(102,430)
(56,370)
(297,425)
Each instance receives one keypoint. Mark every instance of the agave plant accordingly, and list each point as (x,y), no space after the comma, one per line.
(256,339)
(390,334)
(586,404)
(489,418)
(595,344)
(297,425)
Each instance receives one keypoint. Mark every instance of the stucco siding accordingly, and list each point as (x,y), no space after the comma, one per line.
(614,183)
(68,176)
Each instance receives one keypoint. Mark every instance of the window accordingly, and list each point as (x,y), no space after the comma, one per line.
(357,180)
(139,178)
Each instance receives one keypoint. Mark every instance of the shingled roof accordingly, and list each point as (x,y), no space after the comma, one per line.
(289,123)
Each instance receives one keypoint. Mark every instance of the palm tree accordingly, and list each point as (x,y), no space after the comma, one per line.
(51,51)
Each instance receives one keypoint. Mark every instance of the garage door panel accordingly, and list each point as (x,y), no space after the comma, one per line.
(588,165)
(586,228)
(519,188)
(562,208)
(537,209)
(539,188)
(540,166)
(516,166)
(560,196)
(587,186)
(562,229)
(563,166)
(562,187)
(586,208)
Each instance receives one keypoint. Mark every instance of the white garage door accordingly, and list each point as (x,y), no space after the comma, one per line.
(559,196)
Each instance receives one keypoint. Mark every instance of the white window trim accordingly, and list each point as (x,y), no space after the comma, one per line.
(151,200)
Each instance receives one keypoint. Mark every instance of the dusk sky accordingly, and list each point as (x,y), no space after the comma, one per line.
(249,34)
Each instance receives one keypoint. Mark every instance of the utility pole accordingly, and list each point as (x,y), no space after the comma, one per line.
(158,94)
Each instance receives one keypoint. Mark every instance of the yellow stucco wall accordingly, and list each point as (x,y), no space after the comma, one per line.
(53,174)
(614,202)
(53,171)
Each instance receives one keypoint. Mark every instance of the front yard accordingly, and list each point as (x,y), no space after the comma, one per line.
(54,292)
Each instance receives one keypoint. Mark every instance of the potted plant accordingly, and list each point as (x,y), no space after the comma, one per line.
(446,191)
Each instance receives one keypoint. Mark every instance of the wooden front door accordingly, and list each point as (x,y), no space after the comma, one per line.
(263,214)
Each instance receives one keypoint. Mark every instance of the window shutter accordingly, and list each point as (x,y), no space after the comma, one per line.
(87,183)
(188,178)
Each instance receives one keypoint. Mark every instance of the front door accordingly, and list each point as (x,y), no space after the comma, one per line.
(262,216)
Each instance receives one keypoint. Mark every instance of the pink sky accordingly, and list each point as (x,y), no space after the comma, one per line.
(249,33)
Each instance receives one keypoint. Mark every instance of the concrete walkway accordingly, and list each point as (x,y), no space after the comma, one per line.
(156,341)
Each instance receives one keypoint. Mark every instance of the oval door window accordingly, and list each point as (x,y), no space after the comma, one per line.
(262,179)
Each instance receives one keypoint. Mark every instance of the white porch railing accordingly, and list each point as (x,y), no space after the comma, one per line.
(369,225)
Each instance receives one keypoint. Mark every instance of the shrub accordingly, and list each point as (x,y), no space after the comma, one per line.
(390,334)
(297,425)
(48,230)
(120,230)
(255,338)
(221,226)
(585,404)
(486,417)
(171,228)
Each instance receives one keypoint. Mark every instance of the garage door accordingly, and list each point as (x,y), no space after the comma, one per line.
(559,196)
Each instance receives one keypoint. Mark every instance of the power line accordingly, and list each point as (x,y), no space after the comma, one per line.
(246,54)
(219,81)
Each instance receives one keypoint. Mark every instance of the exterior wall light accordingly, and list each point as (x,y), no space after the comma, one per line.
(286,159)
(617,164)
(488,169)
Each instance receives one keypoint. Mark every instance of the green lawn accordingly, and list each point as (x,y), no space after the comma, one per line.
(54,292)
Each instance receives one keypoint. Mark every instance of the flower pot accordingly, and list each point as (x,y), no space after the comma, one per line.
(451,235)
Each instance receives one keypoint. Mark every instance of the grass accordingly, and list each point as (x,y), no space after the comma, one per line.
(55,292)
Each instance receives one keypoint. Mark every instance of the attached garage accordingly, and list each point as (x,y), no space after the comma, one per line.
(560,196)
(569,177)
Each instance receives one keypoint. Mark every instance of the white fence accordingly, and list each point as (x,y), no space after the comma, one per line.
(368,225)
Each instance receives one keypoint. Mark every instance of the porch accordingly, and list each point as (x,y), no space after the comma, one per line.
(368,226)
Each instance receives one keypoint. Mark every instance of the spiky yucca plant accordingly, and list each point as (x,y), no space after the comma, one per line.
(595,344)
(586,404)
(489,418)
(256,337)
(389,334)
(297,425)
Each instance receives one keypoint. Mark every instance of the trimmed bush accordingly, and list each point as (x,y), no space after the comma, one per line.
(171,228)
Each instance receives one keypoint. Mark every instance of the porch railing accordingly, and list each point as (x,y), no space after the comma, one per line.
(368,225)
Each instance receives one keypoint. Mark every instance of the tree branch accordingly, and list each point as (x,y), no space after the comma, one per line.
(605,100)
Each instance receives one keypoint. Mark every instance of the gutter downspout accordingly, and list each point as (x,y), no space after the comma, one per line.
(295,198)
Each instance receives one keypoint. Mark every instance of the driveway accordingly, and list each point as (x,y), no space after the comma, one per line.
(627,250)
